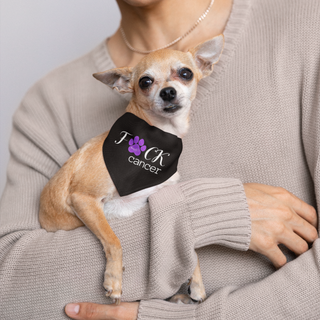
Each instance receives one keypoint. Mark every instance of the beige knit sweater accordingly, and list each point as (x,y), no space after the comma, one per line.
(255,119)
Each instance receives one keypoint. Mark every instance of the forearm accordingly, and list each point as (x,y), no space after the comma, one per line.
(289,293)
(41,272)
(189,215)
(218,211)
(52,269)
(212,211)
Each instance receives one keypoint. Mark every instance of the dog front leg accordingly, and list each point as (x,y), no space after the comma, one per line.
(89,211)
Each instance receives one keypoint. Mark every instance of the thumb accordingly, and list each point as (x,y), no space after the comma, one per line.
(87,310)
(94,311)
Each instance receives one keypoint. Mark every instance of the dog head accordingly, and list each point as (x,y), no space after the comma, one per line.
(164,82)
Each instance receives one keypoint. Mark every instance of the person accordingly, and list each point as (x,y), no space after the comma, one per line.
(250,175)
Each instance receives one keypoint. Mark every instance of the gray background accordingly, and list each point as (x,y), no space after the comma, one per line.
(35,37)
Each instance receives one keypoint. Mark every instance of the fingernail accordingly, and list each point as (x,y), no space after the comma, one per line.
(72,309)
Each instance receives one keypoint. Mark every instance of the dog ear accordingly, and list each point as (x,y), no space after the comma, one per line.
(208,54)
(118,79)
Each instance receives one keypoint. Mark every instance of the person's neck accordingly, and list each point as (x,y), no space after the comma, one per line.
(154,26)
(157,25)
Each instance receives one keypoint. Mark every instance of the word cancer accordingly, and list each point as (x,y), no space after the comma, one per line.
(142,164)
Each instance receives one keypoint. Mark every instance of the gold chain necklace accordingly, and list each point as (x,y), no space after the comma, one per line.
(171,43)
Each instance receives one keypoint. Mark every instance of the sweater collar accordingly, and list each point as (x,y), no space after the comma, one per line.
(235,26)
(233,31)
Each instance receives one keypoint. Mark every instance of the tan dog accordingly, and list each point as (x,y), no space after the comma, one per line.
(163,85)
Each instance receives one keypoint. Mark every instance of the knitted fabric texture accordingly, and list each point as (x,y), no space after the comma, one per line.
(258,119)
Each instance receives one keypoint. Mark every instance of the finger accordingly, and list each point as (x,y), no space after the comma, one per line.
(91,311)
(303,228)
(94,311)
(276,256)
(293,242)
(303,209)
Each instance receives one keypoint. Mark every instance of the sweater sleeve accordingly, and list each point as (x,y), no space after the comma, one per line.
(40,272)
(289,293)
(217,209)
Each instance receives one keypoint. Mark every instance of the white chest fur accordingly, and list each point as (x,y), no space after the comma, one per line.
(123,207)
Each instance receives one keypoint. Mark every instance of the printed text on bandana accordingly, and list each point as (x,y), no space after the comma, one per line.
(153,158)
(138,155)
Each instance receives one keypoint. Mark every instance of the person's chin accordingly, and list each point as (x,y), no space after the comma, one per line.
(141,3)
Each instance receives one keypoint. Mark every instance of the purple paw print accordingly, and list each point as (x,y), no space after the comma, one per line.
(136,146)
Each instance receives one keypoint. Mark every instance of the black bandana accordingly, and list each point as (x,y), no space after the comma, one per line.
(138,155)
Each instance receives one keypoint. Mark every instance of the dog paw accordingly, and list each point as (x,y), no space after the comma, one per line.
(196,290)
(136,145)
(112,286)
(182,299)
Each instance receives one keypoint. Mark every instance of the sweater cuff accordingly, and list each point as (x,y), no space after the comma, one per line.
(160,310)
(219,212)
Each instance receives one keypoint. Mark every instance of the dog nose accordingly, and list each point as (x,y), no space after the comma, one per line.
(168,94)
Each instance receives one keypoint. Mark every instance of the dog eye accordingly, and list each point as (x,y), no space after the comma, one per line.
(145,82)
(186,73)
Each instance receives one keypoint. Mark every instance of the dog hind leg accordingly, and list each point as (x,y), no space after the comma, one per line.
(196,288)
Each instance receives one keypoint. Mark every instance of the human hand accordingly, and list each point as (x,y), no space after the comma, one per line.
(94,311)
(279,217)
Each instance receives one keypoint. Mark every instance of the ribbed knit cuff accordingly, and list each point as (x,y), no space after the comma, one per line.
(160,310)
(219,212)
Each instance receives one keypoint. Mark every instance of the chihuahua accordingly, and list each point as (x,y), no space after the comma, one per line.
(163,85)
